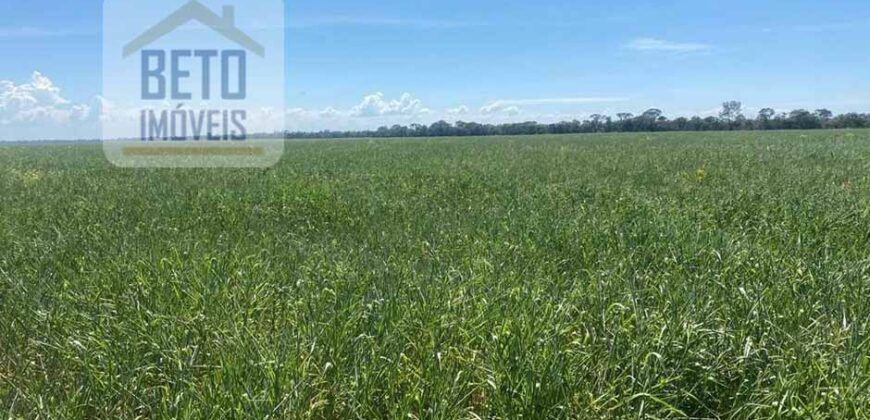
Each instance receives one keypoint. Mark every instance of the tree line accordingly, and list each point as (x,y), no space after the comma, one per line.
(731,117)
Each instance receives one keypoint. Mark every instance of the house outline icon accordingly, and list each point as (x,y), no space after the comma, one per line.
(194,10)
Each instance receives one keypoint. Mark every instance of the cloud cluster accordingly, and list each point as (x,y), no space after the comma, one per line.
(38,110)
(37,102)
(460,110)
(375,105)
(500,107)
(377,110)
(511,107)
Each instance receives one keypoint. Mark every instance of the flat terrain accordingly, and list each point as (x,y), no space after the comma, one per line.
(662,275)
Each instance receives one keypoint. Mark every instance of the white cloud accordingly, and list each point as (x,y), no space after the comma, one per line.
(375,105)
(374,110)
(38,110)
(377,110)
(660,45)
(460,110)
(500,108)
(330,112)
(37,102)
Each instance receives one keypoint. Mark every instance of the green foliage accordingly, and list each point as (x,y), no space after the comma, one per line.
(652,120)
(654,275)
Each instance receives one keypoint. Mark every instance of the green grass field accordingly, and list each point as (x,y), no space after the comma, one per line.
(636,275)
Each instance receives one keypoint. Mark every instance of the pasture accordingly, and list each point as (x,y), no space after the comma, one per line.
(579,276)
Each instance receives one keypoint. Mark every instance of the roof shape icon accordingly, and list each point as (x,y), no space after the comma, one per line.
(194,10)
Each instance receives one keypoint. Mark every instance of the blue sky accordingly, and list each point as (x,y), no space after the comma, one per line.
(360,64)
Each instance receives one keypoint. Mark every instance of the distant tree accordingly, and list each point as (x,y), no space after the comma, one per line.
(419,130)
(762,122)
(648,121)
(824,116)
(653,119)
(398,131)
(440,128)
(625,121)
(711,124)
(732,112)
(802,119)
(850,120)
(598,122)
(681,124)
(652,114)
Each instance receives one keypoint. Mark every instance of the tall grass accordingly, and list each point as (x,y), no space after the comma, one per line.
(637,275)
